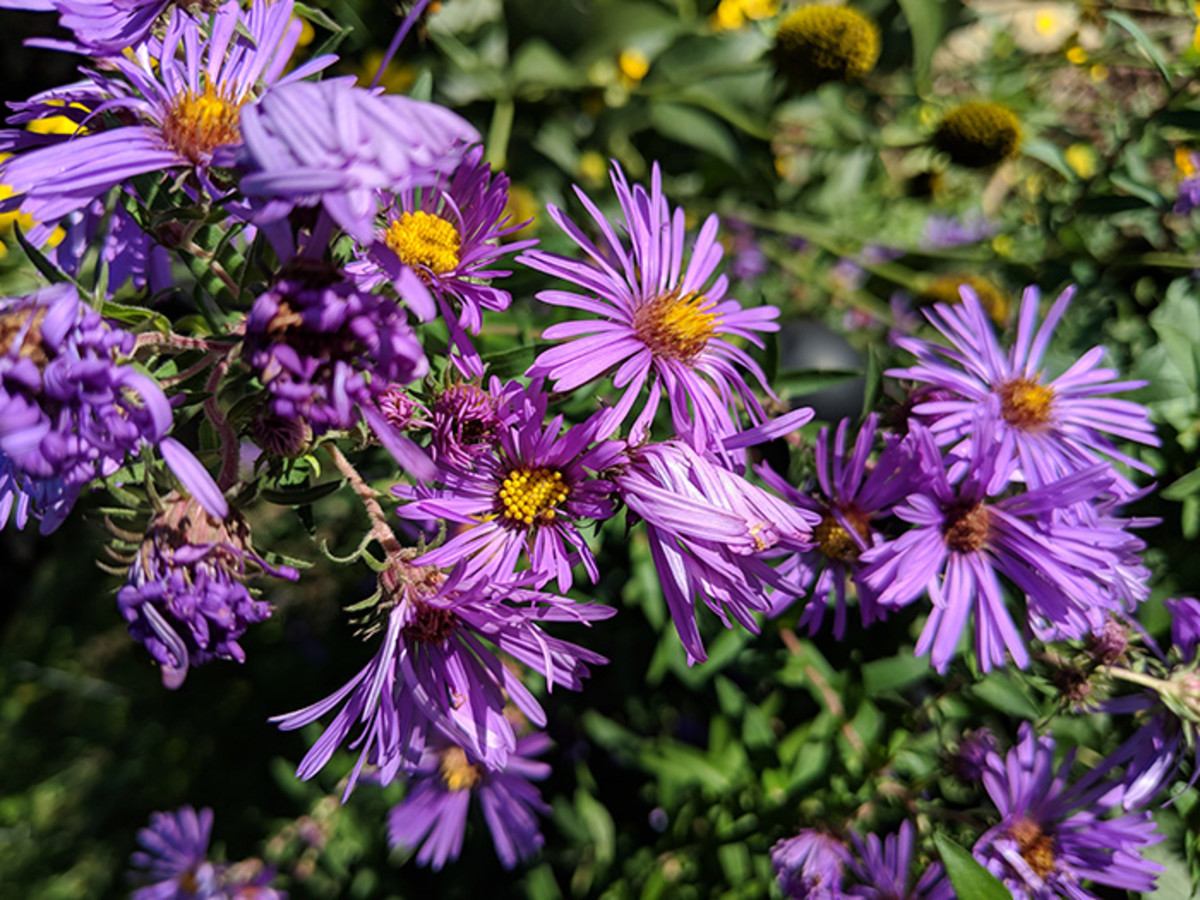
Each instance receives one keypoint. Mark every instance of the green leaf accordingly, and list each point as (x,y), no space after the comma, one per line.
(893,674)
(43,265)
(1185,487)
(302,496)
(969,878)
(513,363)
(799,382)
(1148,46)
(926,21)
(695,128)
(1141,191)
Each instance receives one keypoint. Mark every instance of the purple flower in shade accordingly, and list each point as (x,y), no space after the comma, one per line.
(327,352)
(942,232)
(1053,837)
(451,235)
(710,533)
(337,145)
(402,411)
(434,814)
(657,316)
(186,599)
(1048,428)
(174,857)
(810,866)
(131,255)
(884,868)
(185,94)
(748,263)
(435,673)
(851,494)
(1185,625)
(69,413)
(1189,187)
(961,543)
(968,761)
(526,498)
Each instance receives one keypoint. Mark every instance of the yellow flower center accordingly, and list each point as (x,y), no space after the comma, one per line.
(1026,403)
(199,123)
(1036,847)
(979,135)
(458,773)
(820,43)
(676,327)
(835,542)
(966,528)
(530,495)
(425,241)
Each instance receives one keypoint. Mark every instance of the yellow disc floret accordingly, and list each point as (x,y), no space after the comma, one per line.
(199,123)
(816,44)
(978,135)
(425,241)
(676,327)
(533,495)
(458,773)
(1026,403)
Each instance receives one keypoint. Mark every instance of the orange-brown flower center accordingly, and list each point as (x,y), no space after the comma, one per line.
(835,542)
(676,327)
(199,123)
(966,527)
(430,624)
(1026,403)
(12,325)
(1036,847)
(458,773)
(533,495)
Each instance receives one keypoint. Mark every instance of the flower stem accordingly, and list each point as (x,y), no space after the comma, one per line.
(368,495)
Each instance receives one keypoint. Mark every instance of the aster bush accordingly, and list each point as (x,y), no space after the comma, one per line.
(628,448)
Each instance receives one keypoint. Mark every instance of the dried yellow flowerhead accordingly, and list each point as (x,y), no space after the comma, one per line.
(978,135)
(816,44)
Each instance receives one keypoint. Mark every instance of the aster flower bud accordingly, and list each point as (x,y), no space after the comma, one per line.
(969,759)
(186,600)
(1108,644)
(816,44)
(810,865)
(280,436)
(978,135)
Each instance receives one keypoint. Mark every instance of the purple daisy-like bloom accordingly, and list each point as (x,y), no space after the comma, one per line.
(450,234)
(433,816)
(710,533)
(1053,837)
(1047,428)
(70,413)
(884,868)
(48,500)
(327,352)
(810,866)
(657,316)
(969,760)
(434,672)
(174,857)
(852,494)
(961,543)
(106,27)
(337,145)
(186,599)
(131,255)
(1185,625)
(526,498)
(185,93)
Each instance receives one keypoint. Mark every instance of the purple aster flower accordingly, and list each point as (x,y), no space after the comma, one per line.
(70,413)
(969,759)
(526,498)
(749,263)
(174,857)
(451,235)
(327,352)
(810,866)
(434,673)
(1053,837)
(1048,429)
(433,816)
(337,145)
(131,255)
(466,422)
(184,93)
(942,232)
(186,599)
(851,494)
(710,533)
(1185,625)
(961,543)
(884,868)
(105,27)
(657,316)
(1189,188)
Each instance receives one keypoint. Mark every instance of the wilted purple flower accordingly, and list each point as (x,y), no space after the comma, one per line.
(434,673)
(1049,429)
(710,533)
(527,497)
(961,544)
(434,814)
(327,352)
(884,868)
(851,493)
(466,422)
(656,317)
(1108,643)
(185,94)
(186,599)
(451,235)
(174,857)
(69,412)
(810,866)
(1185,625)
(1053,837)
(334,144)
